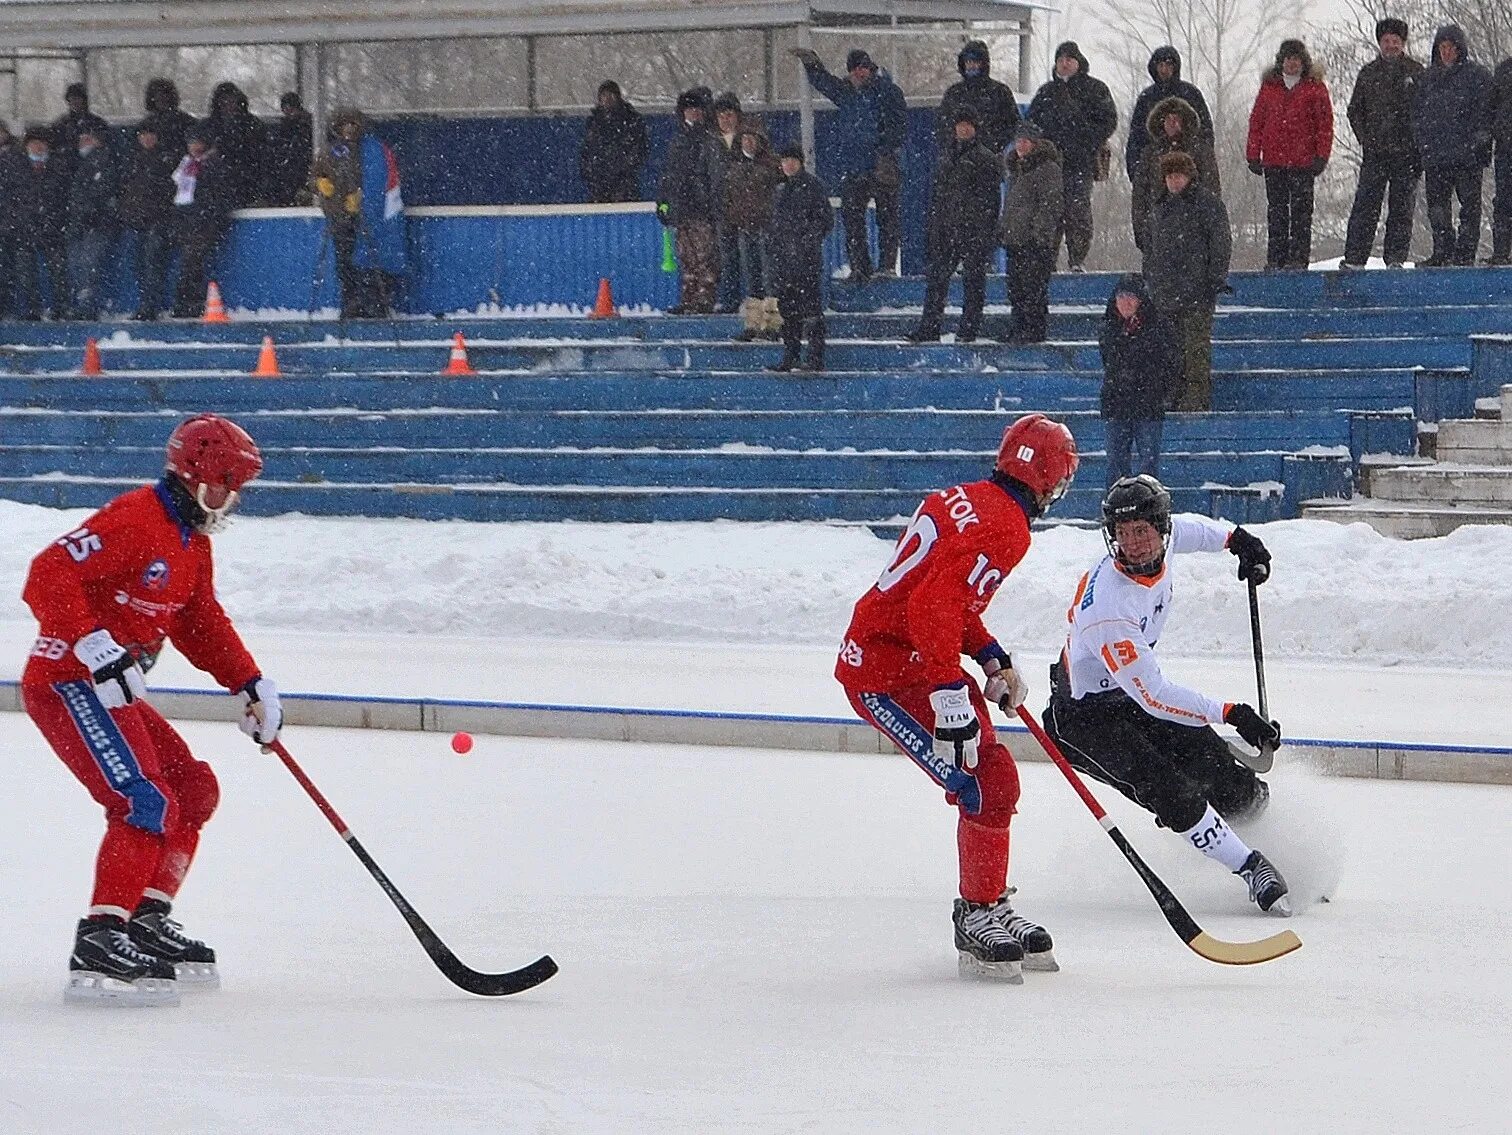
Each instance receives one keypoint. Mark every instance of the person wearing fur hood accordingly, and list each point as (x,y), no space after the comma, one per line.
(1172,126)
(1290,141)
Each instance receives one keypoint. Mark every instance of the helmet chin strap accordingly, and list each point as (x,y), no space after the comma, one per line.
(216,519)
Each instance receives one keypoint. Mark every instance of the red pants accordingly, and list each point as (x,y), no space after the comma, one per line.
(156,795)
(987,797)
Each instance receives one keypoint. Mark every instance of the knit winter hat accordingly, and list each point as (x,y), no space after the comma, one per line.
(1391,26)
(964,114)
(729,100)
(859,58)
(1030,130)
(1177,162)
(790,150)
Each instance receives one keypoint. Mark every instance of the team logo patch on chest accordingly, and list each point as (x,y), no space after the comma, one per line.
(155,575)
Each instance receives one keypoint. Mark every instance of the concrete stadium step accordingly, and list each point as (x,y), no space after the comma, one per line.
(1403,519)
(1475,441)
(1445,482)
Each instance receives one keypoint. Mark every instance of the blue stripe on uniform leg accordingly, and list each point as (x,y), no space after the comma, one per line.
(918,742)
(112,752)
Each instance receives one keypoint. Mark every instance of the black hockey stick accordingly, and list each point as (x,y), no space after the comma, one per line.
(1267,755)
(1200,941)
(483,984)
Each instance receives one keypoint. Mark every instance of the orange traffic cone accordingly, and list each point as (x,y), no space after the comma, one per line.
(457,364)
(91,358)
(603,307)
(215,310)
(267,361)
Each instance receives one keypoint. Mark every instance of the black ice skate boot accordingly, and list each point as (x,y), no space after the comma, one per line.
(107,966)
(1267,889)
(153,932)
(1034,939)
(984,947)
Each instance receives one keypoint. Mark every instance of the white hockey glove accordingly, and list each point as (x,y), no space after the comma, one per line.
(117,678)
(262,716)
(1005,688)
(956,727)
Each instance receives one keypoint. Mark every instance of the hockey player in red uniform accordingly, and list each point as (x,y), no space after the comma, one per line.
(900,665)
(107,596)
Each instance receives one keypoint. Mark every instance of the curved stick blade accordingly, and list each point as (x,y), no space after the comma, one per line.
(1245,953)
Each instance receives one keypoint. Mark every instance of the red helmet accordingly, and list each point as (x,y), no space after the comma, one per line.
(213,457)
(1041,455)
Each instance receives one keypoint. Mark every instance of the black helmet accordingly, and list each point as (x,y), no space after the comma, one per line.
(1137,498)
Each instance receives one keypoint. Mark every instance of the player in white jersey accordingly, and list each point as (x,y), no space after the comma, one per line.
(1119,719)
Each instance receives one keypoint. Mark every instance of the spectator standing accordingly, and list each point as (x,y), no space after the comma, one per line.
(1501,133)
(1141,360)
(1380,115)
(686,201)
(1186,269)
(356,181)
(870,130)
(801,219)
(1172,126)
(1290,142)
(93,222)
(1077,114)
(963,213)
(240,142)
(1166,83)
(727,121)
(750,185)
(1029,228)
(291,145)
(1451,122)
(202,201)
(614,148)
(66,131)
(36,213)
(168,122)
(992,102)
(147,211)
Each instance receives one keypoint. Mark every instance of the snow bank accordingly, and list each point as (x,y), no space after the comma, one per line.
(1339,592)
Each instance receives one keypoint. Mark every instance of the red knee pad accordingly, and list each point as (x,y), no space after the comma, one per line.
(198,794)
(998,775)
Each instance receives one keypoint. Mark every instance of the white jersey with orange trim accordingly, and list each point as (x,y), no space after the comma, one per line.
(1116,620)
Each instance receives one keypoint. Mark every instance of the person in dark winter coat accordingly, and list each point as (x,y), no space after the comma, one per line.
(1076,112)
(870,129)
(93,223)
(614,149)
(1501,134)
(169,123)
(1380,115)
(963,213)
(728,119)
(1166,83)
(1172,127)
(1451,122)
(992,102)
(291,148)
(1032,210)
(1186,269)
(687,201)
(1290,141)
(204,191)
(801,219)
(751,182)
(35,216)
(1142,377)
(240,142)
(65,132)
(146,208)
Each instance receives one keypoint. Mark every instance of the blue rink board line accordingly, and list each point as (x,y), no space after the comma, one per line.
(1386,760)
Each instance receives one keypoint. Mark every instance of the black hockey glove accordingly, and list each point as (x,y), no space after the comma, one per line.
(1255,730)
(1254,560)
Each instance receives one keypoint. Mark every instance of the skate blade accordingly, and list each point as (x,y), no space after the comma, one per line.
(86,987)
(1010,973)
(1042,962)
(197,977)
(1281,908)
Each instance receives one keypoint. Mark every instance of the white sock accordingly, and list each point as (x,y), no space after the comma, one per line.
(1214,838)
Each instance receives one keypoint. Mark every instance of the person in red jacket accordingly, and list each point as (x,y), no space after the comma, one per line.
(900,665)
(1290,141)
(107,596)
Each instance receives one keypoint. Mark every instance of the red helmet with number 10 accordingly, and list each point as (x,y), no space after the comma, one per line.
(213,457)
(1041,455)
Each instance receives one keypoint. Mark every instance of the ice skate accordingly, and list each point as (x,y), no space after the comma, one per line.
(1267,889)
(1033,939)
(984,947)
(153,932)
(107,967)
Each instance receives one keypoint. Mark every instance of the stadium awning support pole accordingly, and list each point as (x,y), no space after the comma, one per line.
(806,103)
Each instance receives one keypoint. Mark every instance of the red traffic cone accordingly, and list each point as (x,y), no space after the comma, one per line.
(267,361)
(215,310)
(603,306)
(92,365)
(457,364)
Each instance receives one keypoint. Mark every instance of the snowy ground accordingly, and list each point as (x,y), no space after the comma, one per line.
(740,956)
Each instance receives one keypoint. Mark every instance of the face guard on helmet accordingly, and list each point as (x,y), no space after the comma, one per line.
(212,458)
(1133,499)
(1041,455)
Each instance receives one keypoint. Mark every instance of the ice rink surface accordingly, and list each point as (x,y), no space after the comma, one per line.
(752,942)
